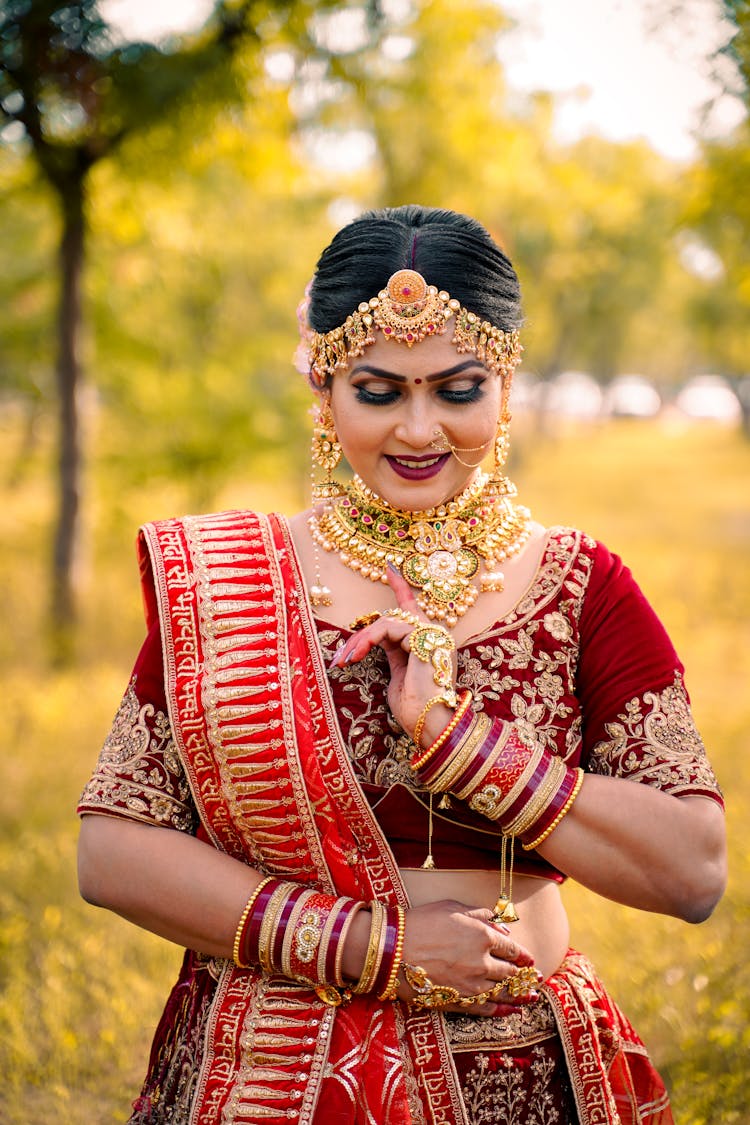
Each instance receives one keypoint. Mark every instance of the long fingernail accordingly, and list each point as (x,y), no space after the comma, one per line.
(501,927)
(393,569)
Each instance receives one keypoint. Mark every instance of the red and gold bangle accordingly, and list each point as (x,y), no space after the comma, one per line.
(249,940)
(488,740)
(374,949)
(337,976)
(268,924)
(444,753)
(243,919)
(543,797)
(390,932)
(391,983)
(284,927)
(575,790)
(420,760)
(331,937)
(306,926)
(479,745)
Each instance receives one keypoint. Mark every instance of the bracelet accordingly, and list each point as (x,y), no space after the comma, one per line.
(418,726)
(434,644)
(391,984)
(421,759)
(443,754)
(563,812)
(374,953)
(337,976)
(243,919)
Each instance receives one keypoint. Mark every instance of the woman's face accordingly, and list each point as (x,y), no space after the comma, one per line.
(390,405)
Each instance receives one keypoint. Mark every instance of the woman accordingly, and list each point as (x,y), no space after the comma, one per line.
(361,749)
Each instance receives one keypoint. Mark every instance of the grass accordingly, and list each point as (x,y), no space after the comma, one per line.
(81,990)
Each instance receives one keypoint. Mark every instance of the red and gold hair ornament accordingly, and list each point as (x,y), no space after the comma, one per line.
(407,311)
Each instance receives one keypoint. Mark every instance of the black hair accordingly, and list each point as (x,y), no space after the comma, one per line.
(450,250)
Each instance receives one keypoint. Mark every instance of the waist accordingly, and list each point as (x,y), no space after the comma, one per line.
(542,926)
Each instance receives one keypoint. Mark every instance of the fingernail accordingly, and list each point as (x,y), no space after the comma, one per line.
(393,569)
(501,927)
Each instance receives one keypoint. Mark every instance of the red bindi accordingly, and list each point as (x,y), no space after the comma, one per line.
(417,380)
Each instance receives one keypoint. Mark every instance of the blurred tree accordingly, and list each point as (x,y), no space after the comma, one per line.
(76,95)
(590,227)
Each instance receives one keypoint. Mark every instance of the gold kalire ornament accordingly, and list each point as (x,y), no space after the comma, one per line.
(438,551)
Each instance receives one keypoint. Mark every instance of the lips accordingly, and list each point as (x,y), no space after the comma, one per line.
(417,467)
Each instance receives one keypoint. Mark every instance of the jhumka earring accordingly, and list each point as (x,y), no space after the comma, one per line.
(325,452)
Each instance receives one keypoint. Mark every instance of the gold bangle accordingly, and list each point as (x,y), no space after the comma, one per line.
(419,725)
(338,977)
(563,812)
(391,985)
(372,963)
(540,799)
(268,925)
(461,707)
(474,738)
(243,918)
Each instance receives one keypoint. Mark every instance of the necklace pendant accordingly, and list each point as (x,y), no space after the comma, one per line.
(504,910)
(429,863)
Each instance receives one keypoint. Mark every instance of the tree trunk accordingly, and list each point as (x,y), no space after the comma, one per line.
(63,609)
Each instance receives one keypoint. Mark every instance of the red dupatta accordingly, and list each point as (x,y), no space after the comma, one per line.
(253,721)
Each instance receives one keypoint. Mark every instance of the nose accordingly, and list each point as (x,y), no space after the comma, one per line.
(416,428)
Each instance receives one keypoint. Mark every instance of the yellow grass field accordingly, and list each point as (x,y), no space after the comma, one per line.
(80,991)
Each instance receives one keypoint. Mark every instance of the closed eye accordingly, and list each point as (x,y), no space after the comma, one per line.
(375,398)
(462,394)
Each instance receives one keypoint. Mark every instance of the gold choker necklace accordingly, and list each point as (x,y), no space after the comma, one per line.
(437,550)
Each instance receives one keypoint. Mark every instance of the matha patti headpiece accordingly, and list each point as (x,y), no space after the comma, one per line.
(407,311)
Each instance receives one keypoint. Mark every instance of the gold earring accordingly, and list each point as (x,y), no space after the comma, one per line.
(325,451)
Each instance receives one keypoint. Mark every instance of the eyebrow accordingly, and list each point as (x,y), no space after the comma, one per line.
(383,373)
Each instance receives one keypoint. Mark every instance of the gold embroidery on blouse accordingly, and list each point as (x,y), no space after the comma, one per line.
(496,1089)
(655,741)
(139,773)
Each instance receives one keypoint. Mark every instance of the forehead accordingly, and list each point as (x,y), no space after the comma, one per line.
(429,356)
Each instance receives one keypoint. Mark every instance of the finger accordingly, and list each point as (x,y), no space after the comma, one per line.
(403,591)
(389,632)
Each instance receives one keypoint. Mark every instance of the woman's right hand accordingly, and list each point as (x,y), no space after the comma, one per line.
(457,945)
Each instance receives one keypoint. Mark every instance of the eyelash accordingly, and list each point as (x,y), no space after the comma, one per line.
(372,398)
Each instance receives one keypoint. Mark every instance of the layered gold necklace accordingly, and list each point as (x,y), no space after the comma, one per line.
(438,551)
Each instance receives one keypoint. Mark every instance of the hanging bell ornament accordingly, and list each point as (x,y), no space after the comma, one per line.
(504,911)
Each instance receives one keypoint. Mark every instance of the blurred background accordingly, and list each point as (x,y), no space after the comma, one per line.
(168,175)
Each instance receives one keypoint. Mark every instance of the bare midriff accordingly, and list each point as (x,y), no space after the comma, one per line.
(542,927)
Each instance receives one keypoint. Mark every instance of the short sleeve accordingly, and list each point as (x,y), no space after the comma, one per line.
(637,722)
(139,774)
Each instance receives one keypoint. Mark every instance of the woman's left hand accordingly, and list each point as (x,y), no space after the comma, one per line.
(412,681)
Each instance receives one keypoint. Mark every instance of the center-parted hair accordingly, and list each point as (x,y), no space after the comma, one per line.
(450,250)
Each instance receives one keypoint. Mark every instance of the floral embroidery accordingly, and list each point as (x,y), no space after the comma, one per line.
(139,773)
(654,740)
(497,1090)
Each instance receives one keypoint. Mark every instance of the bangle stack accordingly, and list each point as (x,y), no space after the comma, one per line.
(299,932)
(521,786)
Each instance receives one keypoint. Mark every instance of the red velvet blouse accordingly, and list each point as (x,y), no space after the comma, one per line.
(582,660)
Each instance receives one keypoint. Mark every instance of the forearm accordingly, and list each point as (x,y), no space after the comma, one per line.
(644,848)
(166,881)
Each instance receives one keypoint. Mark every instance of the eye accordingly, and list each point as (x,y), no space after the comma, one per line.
(371,397)
(462,394)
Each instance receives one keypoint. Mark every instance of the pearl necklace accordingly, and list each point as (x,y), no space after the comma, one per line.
(437,550)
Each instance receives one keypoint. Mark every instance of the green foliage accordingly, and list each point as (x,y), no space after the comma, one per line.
(80,990)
